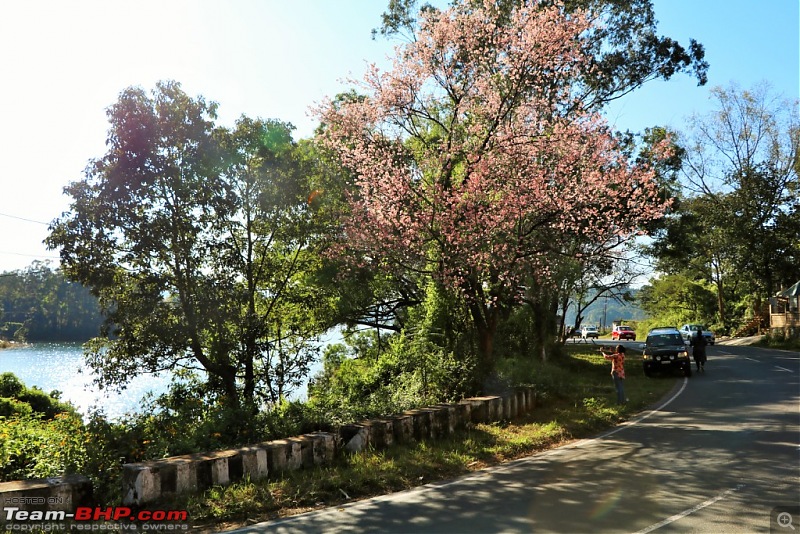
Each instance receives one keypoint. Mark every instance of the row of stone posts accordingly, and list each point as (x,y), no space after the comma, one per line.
(148,482)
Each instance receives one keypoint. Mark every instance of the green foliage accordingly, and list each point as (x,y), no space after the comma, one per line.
(674,300)
(35,400)
(779,340)
(518,337)
(199,241)
(10,385)
(39,304)
(370,382)
(10,407)
(34,447)
(736,222)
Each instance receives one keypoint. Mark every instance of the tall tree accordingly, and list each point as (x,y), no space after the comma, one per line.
(475,161)
(741,166)
(625,48)
(193,237)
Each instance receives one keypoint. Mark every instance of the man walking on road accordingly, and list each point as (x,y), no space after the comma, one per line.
(699,350)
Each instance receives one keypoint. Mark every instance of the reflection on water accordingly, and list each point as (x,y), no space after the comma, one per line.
(60,366)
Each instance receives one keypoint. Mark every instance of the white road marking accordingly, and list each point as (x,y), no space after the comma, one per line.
(752,360)
(692,510)
(634,421)
(784,369)
(357,505)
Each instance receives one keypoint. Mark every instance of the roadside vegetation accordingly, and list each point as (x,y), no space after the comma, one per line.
(448,216)
(780,341)
(575,399)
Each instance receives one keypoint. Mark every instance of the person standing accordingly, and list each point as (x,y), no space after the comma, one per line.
(699,350)
(617,371)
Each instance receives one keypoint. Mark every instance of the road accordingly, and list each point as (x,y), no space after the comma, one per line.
(720,454)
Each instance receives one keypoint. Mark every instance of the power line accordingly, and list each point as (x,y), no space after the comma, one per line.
(31,255)
(23,219)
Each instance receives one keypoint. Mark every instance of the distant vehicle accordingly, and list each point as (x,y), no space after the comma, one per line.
(623,332)
(589,331)
(688,330)
(665,350)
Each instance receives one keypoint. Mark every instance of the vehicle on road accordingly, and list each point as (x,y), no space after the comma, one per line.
(589,331)
(688,330)
(665,350)
(621,332)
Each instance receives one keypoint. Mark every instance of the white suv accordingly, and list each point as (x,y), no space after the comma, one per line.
(589,331)
(688,330)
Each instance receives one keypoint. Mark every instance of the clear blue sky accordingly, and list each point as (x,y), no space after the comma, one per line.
(64,63)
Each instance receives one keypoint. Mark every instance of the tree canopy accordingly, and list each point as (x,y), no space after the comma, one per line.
(476,162)
(740,209)
(40,304)
(193,237)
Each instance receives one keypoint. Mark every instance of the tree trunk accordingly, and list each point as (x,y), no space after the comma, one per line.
(484,319)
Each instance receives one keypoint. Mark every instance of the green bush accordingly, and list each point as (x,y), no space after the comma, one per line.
(10,386)
(44,404)
(13,407)
(34,447)
(39,402)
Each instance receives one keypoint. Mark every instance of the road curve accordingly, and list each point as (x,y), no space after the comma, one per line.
(719,455)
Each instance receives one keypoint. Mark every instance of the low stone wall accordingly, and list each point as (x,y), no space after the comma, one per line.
(147,482)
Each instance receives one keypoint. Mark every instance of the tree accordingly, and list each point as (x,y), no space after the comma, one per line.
(740,222)
(474,161)
(676,299)
(626,50)
(195,238)
(38,303)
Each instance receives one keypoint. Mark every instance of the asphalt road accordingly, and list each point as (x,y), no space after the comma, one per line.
(720,454)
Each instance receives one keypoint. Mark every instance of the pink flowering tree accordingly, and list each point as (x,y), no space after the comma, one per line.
(474,162)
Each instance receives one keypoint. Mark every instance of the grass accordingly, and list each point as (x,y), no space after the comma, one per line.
(779,342)
(576,401)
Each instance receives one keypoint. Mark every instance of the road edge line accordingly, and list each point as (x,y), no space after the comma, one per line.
(689,511)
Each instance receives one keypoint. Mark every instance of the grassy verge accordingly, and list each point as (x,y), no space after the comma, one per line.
(784,344)
(576,401)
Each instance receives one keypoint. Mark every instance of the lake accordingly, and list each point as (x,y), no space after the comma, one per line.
(61,366)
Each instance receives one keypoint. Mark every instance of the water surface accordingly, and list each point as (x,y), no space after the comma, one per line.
(61,366)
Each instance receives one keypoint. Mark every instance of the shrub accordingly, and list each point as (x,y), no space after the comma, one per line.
(39,402)
(13,407)
(10,385)
(35,447)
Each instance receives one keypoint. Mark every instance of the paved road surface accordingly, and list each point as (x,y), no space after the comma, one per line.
(719,455)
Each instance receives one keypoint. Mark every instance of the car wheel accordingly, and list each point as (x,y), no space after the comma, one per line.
(687,371)
(648,373)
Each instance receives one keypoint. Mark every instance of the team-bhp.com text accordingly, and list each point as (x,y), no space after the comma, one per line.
(85,518)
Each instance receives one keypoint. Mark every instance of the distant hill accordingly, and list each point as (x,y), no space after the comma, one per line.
(611,310)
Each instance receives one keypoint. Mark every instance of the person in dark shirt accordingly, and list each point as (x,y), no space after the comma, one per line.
(699,350)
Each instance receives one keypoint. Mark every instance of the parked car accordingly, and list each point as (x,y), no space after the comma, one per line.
(688,330)
(589,331)
(665,350)
(623,332)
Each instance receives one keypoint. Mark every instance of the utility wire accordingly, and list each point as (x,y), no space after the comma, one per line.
(31,255)
(23,219)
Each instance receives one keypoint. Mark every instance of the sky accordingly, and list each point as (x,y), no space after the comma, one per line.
(62,64)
